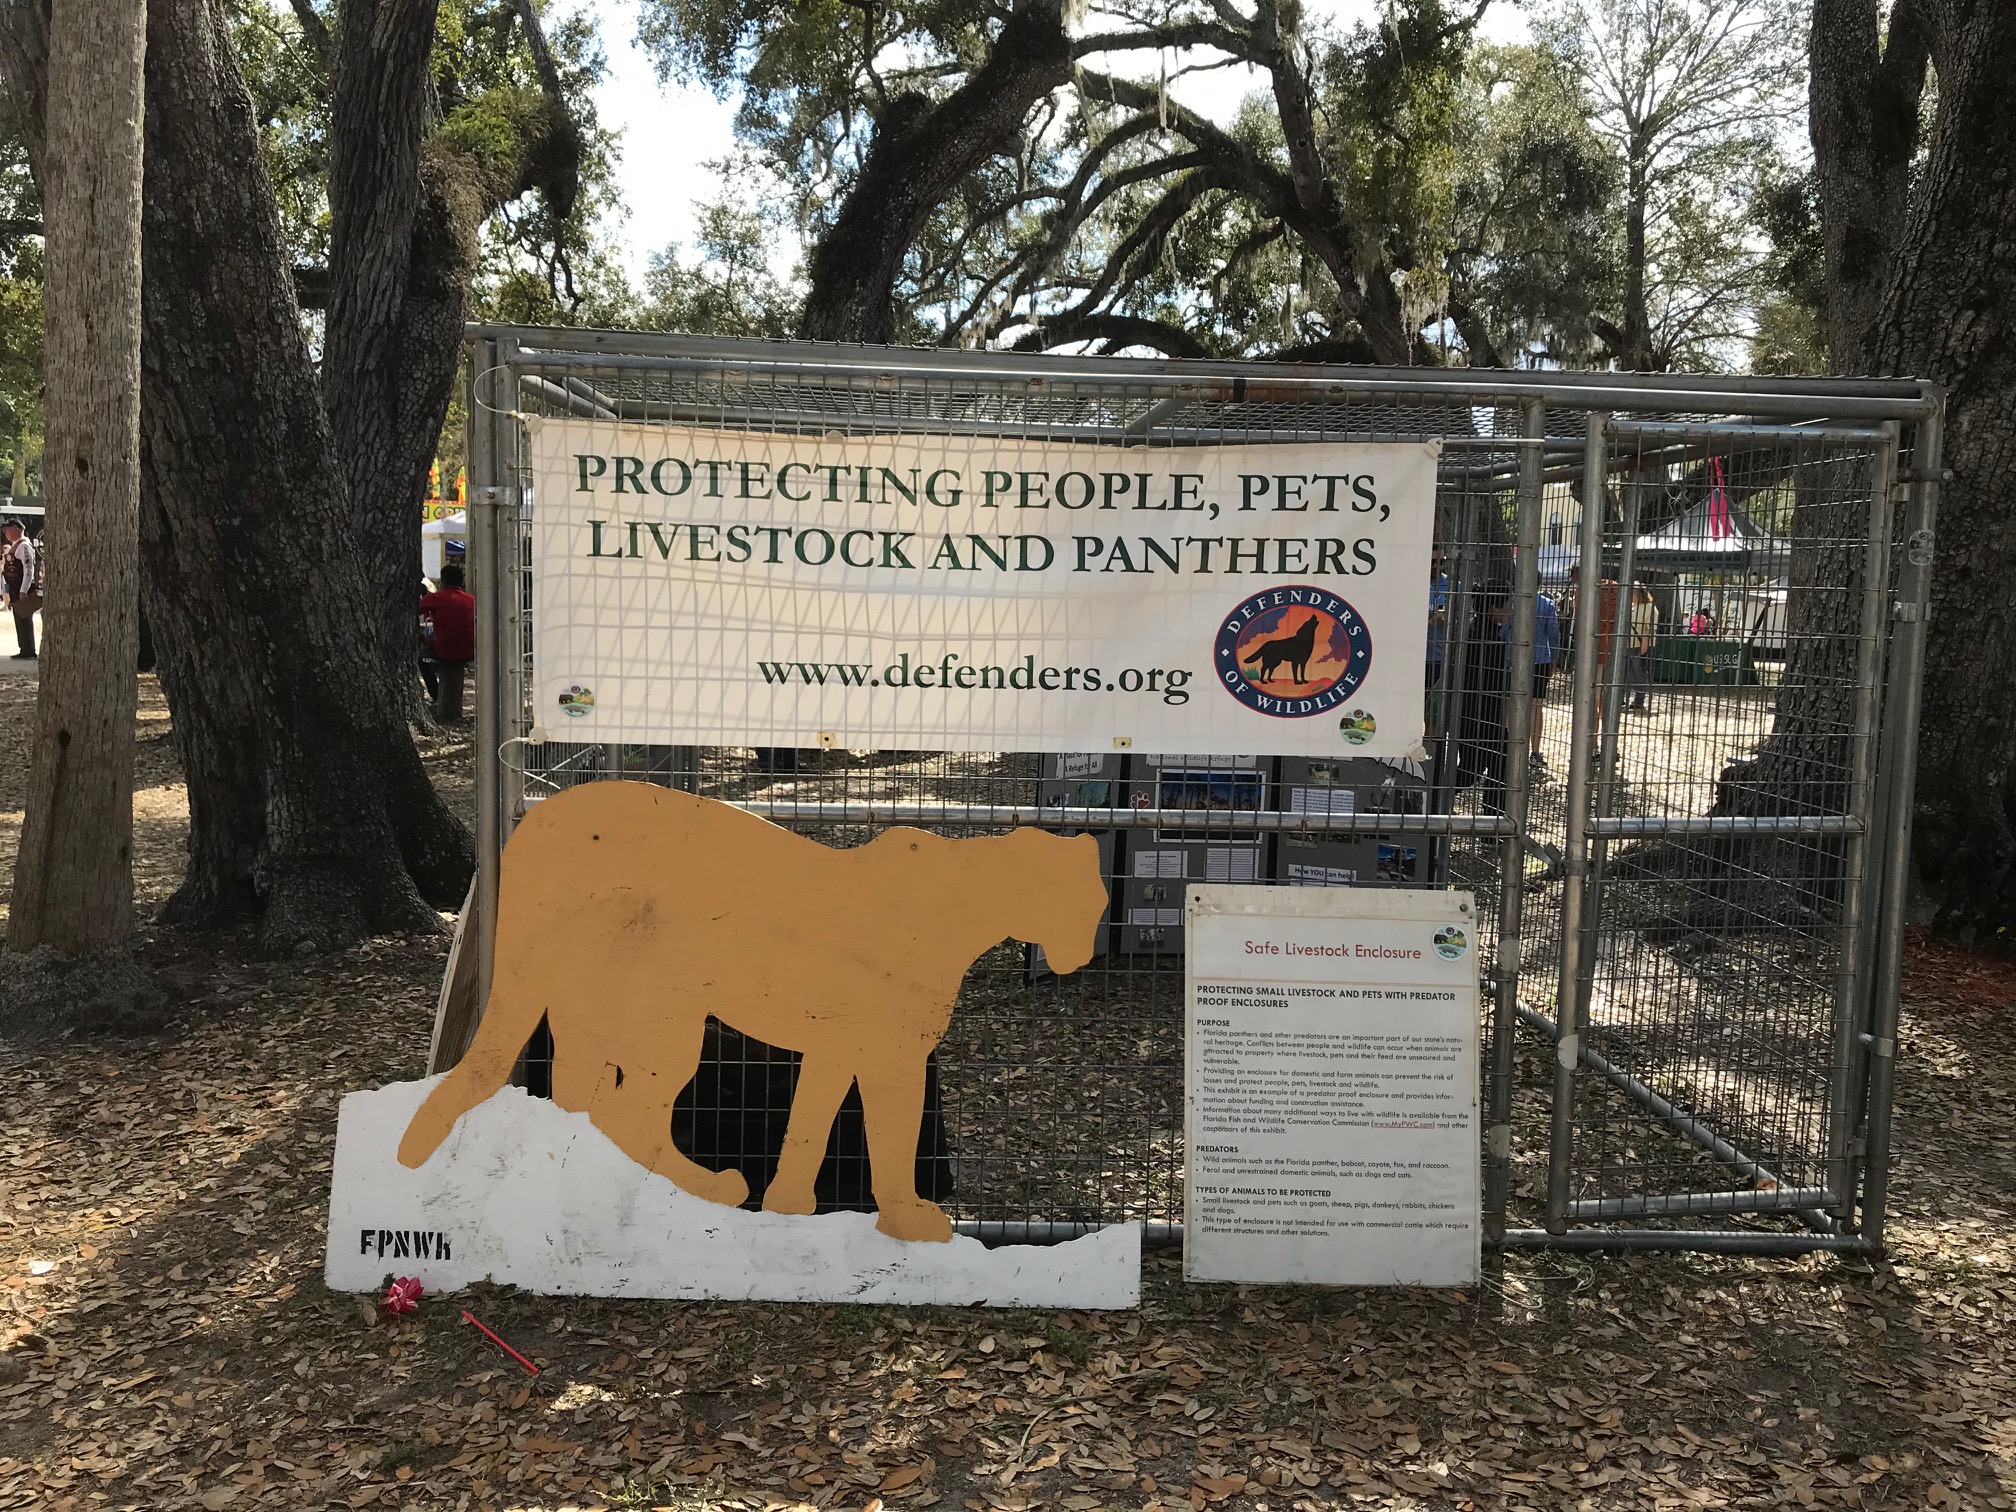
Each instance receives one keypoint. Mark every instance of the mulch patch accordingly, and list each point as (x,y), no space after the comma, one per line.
(166,1339)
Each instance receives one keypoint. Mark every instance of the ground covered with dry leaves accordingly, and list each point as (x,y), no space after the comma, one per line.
(166,1340)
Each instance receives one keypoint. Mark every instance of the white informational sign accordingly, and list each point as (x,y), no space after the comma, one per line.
(977,593)
(1330,1063)
(526,1193)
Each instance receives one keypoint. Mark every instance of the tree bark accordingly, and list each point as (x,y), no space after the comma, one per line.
(377,127)
(919,153)
(1863,95)
(1637,352)
(1949,314)
(406,217)
(306,794)
(73,875)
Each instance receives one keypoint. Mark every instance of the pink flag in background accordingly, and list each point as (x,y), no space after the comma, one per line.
(1720,526)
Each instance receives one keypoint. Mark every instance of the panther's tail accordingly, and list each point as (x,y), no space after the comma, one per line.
(508,1022)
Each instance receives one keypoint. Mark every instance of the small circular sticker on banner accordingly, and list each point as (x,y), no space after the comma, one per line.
(577,702)
(1358,726)
(1450,942)
(1293,651)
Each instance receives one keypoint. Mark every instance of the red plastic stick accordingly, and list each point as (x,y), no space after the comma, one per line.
(469,1317)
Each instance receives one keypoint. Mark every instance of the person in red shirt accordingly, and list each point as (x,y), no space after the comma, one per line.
(451,610)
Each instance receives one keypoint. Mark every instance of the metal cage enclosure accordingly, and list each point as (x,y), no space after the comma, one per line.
(1692,916)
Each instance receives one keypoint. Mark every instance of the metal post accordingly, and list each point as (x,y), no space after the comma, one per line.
(485,495)
(1575,846)
(1914,614)
(1512,852)
(1455,664)
(511,577)
(1606,769)
(1857,848)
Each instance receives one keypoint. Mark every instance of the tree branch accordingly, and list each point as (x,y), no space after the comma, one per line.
(1116,330)
(315,33)
(542,54)
(1483,353)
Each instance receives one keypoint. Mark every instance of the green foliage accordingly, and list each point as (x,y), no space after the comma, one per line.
(727,288)
(1791,334)
(1691,97)
(538,268)
(1392,98)
(290,101)
(1535,247)
(535,267)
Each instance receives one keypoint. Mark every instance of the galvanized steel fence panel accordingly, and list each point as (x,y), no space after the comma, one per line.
(1691,915)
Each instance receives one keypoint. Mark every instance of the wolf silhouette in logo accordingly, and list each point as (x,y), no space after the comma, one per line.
(1292,649)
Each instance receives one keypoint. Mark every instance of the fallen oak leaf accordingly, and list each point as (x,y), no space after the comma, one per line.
(897,1479)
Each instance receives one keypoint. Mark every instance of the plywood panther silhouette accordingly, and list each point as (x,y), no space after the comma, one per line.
(628,913)
(1292,649)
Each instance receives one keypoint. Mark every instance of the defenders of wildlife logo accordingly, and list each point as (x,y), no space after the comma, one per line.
(1294,651)
(577,702)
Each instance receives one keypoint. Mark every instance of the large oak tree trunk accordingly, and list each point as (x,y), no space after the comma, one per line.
(1863,117)
(279,515)
(1921,282)
(377,129)
(73,877)
(1949,314)
(306,792)
(406,216)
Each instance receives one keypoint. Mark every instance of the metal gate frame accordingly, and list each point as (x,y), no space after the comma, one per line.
(557,369)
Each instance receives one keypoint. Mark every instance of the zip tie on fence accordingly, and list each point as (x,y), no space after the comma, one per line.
(491,1334)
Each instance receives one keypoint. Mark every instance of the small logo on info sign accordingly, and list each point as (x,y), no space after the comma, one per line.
(1294,651)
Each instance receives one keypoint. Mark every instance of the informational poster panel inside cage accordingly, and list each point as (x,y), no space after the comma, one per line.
(977,593)
(1331,1048)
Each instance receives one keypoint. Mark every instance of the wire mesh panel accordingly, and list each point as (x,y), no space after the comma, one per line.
(1738,615)
(1722,757)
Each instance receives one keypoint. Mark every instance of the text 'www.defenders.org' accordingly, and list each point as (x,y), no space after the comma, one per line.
(1172,684)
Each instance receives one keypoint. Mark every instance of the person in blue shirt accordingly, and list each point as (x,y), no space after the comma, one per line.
(1546,643)
(1438,638)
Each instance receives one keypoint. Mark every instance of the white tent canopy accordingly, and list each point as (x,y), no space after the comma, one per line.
(434,538)
(1708,538)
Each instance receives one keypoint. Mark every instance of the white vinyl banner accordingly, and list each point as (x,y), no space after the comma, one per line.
(974,593)
(1330,1057)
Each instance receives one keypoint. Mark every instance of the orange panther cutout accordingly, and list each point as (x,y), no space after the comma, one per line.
(628,913)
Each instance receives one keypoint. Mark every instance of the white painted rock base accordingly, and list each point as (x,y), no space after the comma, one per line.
(525,1193)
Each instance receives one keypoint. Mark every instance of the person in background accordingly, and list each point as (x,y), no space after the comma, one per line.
(451,610)
(1546,647)
(1438,639)
(1481,736)
(1638,664)
(1602,623)
(429,678)
(21,567)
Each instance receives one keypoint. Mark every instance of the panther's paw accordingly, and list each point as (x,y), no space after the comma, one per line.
(916,1220)
(728,1188)
(778,1200)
